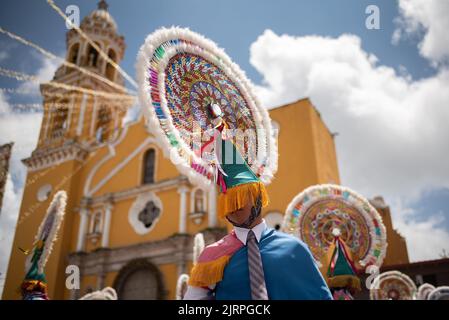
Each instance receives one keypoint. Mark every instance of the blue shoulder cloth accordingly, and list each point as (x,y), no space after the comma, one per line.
(290,271)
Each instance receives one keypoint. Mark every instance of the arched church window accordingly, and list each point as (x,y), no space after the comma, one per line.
(148,166)
(103,128)
(73,55)
(110,70)
(92,56)
(59,123)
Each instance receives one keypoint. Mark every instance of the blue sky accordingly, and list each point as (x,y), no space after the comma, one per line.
(233,24)
(391,115)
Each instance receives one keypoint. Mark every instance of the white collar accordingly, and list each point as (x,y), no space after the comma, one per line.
(242,233)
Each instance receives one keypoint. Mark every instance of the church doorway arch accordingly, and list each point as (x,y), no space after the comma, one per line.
(140,280)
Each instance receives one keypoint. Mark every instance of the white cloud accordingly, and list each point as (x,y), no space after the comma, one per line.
(44,73)
(23,130)
(430,17)
(425,239)
(8,219)
(392,130)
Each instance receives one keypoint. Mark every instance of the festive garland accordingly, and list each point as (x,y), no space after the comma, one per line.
(313,215)
(169,57)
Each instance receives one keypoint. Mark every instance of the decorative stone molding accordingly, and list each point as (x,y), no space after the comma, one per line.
(41,159)
(176,249)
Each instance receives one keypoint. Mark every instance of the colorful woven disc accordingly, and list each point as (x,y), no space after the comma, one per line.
(315,214)
(393,285)
(180,73)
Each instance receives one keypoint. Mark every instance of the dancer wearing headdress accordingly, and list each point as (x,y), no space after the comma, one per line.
(245,263)
(344,232)
(34,285)
(186,81)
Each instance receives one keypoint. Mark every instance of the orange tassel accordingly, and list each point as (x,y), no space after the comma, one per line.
(236,197)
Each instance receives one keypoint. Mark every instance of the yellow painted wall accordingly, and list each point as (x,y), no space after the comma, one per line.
(31,215)
(170,277)
(306,153)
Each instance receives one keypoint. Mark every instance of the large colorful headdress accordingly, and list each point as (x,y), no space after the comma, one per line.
(439,293)
(424,290)
(34,286)
(182,76)
(342,229)
(393,285)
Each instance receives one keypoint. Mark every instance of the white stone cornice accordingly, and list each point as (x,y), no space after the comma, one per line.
(41,159)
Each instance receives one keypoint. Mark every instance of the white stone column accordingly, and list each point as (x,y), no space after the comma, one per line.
(183,209)
(212,212)
(79,129)
(106,225)
(82,230)
(93,117)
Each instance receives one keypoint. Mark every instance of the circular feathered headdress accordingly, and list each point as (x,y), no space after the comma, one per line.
(322,213)
(393,285)
(424,290)
(181,74)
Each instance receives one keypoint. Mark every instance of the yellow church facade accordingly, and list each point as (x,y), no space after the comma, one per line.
(131,216)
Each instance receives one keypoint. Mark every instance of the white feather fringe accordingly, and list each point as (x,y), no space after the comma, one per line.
(57,207)
(198,246)
(182,281)
(107,293)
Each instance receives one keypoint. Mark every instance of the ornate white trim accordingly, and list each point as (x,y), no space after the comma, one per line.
(138,206)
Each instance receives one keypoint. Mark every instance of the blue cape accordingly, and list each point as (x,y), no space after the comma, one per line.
(290,271)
